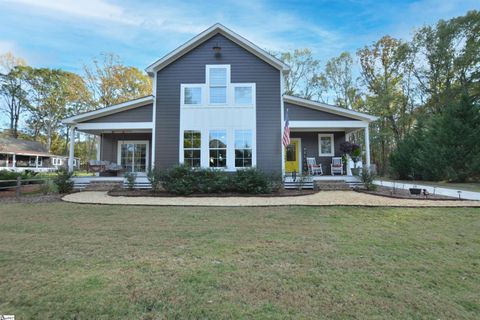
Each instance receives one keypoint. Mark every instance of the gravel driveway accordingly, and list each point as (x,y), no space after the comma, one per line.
(323,198)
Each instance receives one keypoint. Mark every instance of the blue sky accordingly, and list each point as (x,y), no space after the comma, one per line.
(64,34)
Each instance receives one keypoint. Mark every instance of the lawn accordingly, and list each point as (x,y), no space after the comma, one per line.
(61,260)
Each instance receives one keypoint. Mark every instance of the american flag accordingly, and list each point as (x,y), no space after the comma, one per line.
(286,132)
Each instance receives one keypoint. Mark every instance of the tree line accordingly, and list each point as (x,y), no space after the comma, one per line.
(425,92)
(40,98)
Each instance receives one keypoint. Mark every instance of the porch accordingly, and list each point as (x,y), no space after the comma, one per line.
(20,162)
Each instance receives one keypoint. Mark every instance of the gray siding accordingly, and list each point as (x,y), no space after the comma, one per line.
(245,67)
(310,145)
(298,113)
(139,114)
(109,144)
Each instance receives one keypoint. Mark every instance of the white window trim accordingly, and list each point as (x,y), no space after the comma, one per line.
(254,94)
(252,147)
(194,85)
(182,149)
(227,85)
(332,148)
(119,151)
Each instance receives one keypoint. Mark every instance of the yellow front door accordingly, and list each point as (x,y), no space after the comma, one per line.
(292,156)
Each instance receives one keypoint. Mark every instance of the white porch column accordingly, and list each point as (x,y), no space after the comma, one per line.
(99,145)
(72,149)
(367,147)
(14,161)
(36,162)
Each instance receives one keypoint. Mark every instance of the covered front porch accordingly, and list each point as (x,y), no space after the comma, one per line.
(321,145)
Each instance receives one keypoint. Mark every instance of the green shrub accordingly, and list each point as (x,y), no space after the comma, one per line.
(48,187)
(368,176)
(131,178)
(184,180)
(178,180)
(252,181)
(63,181)
(155,178)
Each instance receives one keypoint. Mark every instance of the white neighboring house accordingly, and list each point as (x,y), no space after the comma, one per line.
(62,161)
(22,155)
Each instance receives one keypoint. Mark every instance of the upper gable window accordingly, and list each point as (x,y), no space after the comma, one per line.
(218,77)
(192,95)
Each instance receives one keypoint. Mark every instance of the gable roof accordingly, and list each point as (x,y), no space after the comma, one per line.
(23,147)
(329,108)
(207,34)
(140,102)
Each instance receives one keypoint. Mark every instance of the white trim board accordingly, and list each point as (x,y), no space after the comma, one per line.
(114,126)
(327,124)
(109,110)
(207,34)
(329,108)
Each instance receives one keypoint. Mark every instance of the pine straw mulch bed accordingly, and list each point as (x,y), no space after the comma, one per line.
(404,194)
(150,193)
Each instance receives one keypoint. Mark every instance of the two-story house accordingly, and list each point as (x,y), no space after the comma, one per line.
(218,102)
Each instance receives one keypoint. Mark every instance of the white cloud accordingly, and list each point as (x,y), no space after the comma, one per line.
(89,9)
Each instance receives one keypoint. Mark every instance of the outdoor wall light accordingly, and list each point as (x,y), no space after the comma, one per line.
(217,50)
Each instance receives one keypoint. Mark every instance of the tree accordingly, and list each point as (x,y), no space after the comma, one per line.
(448,60)
(12,88)
(383,66)
(110,82)
(55,95)
(304,79)
(338,74)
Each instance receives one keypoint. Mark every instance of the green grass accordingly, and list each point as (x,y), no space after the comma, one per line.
(464,186)
(68,261)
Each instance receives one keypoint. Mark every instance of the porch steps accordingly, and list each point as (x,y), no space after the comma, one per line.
(138,185)
(103,185)
(298,185)
(329,185)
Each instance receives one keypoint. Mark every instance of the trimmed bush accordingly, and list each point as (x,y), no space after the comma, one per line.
(184,180)
(63,182)
(252,181)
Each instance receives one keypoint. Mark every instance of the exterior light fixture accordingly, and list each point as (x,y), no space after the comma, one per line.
(217,49)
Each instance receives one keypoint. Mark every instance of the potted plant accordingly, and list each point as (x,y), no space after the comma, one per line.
(356,156)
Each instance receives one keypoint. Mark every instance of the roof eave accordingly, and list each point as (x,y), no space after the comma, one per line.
(330,108)
(205,35)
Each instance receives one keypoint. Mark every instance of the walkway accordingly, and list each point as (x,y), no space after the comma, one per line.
(470,195)
(325,198)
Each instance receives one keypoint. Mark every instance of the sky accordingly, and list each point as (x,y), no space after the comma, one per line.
(67,33)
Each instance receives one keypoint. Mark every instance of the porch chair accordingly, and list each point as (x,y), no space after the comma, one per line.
(337,165)
(313,167)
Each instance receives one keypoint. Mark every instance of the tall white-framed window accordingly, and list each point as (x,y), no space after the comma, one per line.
(243,148)
(191,94)
(217,143)
(192,145)
(133,155)
(326,146)
(218,80)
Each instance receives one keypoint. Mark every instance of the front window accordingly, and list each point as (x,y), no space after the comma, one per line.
(243,148)
(192,95)
(326,145)
(191,148)
(218,149)
(218,85)
(243,95)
